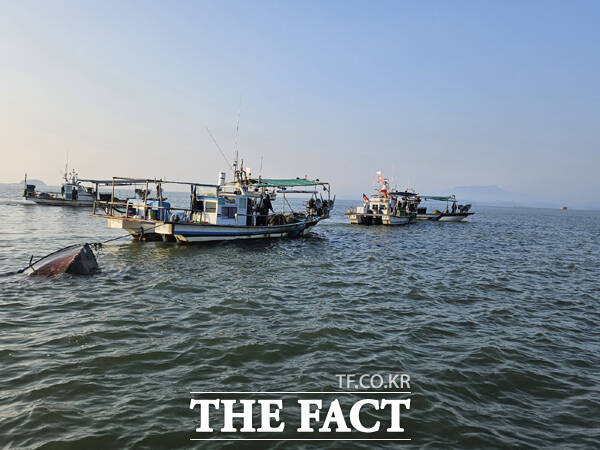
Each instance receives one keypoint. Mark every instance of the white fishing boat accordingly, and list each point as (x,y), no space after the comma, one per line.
(240,209)
(385,207)
(73,192)
(451,213)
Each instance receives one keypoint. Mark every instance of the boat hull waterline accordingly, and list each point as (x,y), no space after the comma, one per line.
(378,219)
(190,233)
(444,217)
(204,233)
(61,202)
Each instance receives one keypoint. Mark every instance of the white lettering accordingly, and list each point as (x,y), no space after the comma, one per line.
(379,382)
(405,380)
(355,416)
(395,407)
(306,414)
(204,410)
(335,414)
(360,381)
(267,415)
(229,415)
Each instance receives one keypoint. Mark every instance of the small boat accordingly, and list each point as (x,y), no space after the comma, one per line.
(72,192)
(76,259)
(453,213)
(385,207)
(563,208)
(240,209)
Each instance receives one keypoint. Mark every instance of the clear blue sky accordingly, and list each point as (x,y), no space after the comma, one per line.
(434,93)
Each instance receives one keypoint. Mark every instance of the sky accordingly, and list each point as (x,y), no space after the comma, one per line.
(435,94)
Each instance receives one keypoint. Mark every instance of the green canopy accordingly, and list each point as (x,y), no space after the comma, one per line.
(443,198)
(287,182)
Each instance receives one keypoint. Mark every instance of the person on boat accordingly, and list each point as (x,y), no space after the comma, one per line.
(263,209)
(74,193)
(62,190)
(453,207)
(266,205)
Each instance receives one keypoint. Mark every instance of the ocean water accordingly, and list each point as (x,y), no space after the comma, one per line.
(495,321)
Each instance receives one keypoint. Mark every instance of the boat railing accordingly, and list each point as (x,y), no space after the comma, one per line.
(145,211)
(111,208)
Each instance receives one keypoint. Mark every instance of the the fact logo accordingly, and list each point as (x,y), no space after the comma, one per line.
(293,415)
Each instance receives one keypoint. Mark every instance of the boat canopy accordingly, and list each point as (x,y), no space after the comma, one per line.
(267,182)
(403,193)
(442,198)
(117,182)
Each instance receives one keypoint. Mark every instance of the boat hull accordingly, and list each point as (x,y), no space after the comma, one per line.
(444,217)
(75,259)
(378,219)
(139,229)
(60,202)
(190,233)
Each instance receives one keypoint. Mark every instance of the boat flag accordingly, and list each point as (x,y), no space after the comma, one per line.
(365,198)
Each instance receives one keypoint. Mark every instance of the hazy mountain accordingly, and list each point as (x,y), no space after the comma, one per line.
(496,196)
(29,181)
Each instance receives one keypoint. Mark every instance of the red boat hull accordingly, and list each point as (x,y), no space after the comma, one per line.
(76,259)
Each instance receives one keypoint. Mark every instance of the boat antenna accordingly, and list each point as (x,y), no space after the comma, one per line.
(218,147)
(261,164)
(237,128)
(65,176)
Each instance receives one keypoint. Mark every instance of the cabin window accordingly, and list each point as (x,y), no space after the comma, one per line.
(211,207)
(228,212)
(242,203)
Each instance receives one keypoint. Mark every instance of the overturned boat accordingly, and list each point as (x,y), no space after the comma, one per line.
(385,207)
(78,259)
(239,209)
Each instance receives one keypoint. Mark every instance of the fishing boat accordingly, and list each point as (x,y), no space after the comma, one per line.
(451,213)
(239,209)
(385,207)
(73,192)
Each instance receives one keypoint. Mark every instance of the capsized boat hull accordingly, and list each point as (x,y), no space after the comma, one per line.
(76,259)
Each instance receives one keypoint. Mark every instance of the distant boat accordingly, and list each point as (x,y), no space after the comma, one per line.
(385,207)
(453,213)
(72,192)
(563,208)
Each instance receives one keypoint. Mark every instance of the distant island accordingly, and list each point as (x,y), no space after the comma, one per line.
(29,181)
(496,196)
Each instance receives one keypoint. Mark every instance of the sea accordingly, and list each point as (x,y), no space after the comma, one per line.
(495,321)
